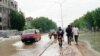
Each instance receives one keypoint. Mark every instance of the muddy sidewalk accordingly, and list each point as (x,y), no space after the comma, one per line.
(86,50)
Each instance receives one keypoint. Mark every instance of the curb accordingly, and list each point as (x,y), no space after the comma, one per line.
(45,48)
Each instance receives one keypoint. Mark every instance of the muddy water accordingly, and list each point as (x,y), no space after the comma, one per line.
(6,49)
(17,48)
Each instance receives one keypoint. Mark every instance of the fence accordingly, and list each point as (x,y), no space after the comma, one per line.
(7,33)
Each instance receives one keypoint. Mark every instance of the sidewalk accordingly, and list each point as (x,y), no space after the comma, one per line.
(68,50)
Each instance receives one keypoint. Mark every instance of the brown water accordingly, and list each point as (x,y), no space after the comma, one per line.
(14,47)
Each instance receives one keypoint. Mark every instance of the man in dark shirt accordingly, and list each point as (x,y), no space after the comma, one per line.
(69,34)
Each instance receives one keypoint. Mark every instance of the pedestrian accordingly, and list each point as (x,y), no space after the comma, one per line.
(72,34)
(76,34)
(50,35)
(55,35)
(69,34)
(60,33)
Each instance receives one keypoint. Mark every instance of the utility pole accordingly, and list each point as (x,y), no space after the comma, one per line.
(2,17)
(61,11)
(61,14)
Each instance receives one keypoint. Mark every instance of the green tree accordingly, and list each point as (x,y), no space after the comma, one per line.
(90,20)
(44,24)
(17,20)
(97,17)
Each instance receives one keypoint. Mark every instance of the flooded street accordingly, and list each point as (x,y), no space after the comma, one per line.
(46,47)
(14,47)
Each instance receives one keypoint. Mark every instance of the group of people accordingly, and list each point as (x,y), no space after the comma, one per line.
(71,33)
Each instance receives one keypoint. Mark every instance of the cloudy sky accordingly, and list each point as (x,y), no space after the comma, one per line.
(72,9)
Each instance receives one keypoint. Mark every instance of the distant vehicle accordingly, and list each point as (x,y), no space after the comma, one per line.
(30,36)
(52,33)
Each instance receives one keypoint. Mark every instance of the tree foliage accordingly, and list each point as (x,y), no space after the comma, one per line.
(89,20)
(44,24)
(17,20)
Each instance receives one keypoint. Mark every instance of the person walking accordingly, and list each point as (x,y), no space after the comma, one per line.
(72,34)
(69,34)
(60,33)
(76,34)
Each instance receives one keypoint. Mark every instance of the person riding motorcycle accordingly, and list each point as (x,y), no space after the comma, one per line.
(60,33)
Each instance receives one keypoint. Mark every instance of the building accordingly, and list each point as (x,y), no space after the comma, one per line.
(5,7)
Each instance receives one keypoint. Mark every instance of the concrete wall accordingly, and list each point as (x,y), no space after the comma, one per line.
(7,33)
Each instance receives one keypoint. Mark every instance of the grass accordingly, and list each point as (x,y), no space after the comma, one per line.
(93,38)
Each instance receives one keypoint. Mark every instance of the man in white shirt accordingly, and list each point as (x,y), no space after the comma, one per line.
(75,31)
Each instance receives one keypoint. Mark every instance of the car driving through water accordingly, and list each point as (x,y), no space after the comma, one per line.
(30,36)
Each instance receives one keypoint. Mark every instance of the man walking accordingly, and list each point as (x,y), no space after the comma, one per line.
(69,34)
(76,34)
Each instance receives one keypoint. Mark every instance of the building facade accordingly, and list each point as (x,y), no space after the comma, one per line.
(5,7)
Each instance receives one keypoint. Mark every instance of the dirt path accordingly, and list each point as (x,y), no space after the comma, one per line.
(85,50)
(82,49)
(71,50)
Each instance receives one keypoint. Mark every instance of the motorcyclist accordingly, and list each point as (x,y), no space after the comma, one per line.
(60,33)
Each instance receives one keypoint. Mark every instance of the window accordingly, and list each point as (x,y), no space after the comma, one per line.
(0,19)
(0,27)
(15,6)
(11,3)
(0,9)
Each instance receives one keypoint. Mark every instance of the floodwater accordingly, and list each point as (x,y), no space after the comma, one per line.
(14,47)
(46,47)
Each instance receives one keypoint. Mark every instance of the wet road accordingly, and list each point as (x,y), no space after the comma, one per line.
(14,47)
(46,47)
(66,50)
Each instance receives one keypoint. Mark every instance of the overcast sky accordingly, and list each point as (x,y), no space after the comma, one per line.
(72,9)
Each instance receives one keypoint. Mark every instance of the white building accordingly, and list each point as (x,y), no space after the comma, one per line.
(5,7)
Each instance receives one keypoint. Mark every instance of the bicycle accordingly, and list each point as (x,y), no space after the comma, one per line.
(60,40)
